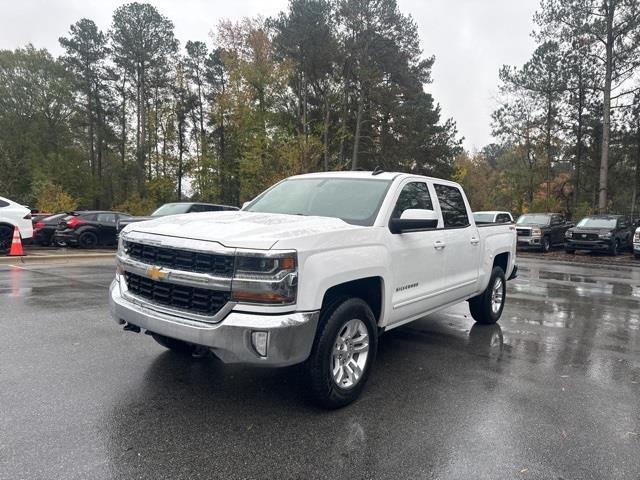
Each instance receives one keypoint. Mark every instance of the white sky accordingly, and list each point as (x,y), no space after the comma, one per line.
(471,40)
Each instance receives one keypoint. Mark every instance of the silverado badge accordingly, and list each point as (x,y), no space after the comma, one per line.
(156,273)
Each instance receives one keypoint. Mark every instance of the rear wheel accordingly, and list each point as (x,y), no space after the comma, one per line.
(178,346)
(343,353)
(487,307)
(88,240)
(6,237)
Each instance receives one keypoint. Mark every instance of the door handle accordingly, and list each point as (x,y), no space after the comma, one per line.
(475,241)
(439,245)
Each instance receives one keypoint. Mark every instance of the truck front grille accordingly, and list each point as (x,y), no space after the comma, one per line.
(586,236)
(524,232)
(187,260)
(197,300)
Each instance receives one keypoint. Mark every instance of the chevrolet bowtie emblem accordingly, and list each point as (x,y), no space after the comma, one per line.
(156,273)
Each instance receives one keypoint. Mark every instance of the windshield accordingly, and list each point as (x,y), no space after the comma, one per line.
(171,209)
(355,201)
(483,217)
(534,219)
(597,222)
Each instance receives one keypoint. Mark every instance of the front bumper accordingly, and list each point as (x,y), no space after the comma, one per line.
(591,245)
(289,341)
(636,248)
(529,242)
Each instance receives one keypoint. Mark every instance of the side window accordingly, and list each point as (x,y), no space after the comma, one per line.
(106,218)
(3,204)
(196,208)
(413,195)
(503,218)
(454,211)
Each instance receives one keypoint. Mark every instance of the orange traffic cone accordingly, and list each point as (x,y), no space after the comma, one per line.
(16,244)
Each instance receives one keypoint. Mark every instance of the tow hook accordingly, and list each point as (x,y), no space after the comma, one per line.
(130,327)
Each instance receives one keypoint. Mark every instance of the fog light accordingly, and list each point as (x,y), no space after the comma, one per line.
(259,340)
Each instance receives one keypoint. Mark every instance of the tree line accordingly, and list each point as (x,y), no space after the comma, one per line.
(568,121)
(130,117)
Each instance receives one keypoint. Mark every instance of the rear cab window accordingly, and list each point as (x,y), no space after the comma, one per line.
(452,206)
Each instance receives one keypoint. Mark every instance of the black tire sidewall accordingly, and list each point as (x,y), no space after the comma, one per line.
(85,235)
(332,319)
(480,306)
(546,244)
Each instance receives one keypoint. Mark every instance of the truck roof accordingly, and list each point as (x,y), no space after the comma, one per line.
(369,174)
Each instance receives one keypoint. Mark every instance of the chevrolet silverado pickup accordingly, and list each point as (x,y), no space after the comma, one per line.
(313,270)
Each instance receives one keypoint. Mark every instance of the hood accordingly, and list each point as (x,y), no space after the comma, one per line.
(532,225)
(237,229)
(591,230)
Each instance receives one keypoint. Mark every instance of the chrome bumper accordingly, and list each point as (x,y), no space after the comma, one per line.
(289,341)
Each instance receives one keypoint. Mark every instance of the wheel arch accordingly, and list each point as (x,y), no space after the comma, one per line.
(369,289)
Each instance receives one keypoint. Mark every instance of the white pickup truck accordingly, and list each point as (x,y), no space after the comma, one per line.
(312,270)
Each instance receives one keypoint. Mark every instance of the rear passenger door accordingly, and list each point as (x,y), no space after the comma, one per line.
(461,243)
(106,228)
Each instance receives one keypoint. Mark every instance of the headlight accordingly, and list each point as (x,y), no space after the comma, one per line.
(270,278)
(536,232)
(568,234)
(605,235)
(636,237)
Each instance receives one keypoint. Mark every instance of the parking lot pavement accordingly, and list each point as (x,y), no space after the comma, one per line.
(554,393)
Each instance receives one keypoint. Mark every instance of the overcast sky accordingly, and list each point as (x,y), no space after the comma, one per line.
(471,39)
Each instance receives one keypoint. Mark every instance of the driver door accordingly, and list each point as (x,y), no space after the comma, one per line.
(417,257)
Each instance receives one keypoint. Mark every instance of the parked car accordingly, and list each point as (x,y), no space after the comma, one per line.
(636,243)
(492,217)
(88,229)
(13,215)
(609,233)
(45,228)
(175,208)
(36,216)
(312,270)
(541,231)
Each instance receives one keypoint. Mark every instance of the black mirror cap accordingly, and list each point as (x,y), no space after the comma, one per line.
(401,225)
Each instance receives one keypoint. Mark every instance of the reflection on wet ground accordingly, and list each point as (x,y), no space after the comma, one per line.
(553,392)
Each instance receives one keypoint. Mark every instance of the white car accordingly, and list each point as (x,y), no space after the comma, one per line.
(636,243)
(13,215)
(492,216)
(314,269)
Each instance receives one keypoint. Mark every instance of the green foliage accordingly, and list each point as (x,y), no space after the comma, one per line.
(136,205)
(52,198)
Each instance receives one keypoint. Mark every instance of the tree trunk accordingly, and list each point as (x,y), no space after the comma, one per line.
(606,111)
(325,133)
(356,139)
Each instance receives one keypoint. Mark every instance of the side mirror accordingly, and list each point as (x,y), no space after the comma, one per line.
(414,219)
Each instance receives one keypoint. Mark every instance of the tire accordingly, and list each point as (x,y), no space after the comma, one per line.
(88,240)
(334,380)
(615,248)
(546,245)
(177,346)
(487,307)
(6,237)
(637,255)
(570,252)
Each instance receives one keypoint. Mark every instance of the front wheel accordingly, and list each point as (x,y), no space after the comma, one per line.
(6,237)
(487,307)
(546,244)
(615,248)
(343,353)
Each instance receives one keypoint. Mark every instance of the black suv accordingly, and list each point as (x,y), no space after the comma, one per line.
(88,229)
(176,208)
(541,231)
(608,233)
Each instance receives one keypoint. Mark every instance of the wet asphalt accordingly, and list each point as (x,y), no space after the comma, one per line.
(552,393)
